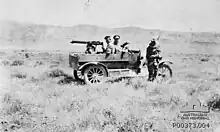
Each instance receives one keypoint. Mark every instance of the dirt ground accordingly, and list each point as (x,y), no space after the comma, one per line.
(38,93)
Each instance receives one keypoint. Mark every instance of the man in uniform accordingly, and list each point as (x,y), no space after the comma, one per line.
(152,57)
(125,47)
(108,48)
(117,47)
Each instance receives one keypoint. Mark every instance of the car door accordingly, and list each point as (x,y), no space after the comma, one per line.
(117,61)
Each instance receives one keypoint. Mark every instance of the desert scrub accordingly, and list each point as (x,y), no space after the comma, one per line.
(67,79)
(19,75)
(214,102)
(8,62)
(175,100)
(38,63)
(138,83)
(131,124)
(20,115)
(5,62)
(128,124)
(55,73)
(76,105)
(87,122)
(204,59)
(17,63)
(160,101)
(204,86)
(12,106)
(54,63)
(34,79)
(197,87)
(192,91)
(191,76)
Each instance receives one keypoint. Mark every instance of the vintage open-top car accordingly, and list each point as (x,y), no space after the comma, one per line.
(96,67)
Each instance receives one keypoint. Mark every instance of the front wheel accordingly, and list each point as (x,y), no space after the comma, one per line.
(94,74)
(164,74)
(78,75)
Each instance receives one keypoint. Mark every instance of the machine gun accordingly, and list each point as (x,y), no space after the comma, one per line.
(90,45)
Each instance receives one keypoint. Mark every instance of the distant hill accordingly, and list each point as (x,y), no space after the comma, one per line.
(33,35)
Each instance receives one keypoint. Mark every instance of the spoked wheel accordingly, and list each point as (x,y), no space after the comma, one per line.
(94,74)
(164,74)
(78,75)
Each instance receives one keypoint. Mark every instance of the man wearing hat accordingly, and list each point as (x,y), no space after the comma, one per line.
(153,56)
(117,47)
(108,48)
(125,46)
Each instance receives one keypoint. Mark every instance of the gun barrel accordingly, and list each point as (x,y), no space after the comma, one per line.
(87,42)
(79,42)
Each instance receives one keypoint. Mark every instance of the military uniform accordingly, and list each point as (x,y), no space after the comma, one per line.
(107,46)
(152,54)
(125,47)
(104,47)
(109,49)
(117,47)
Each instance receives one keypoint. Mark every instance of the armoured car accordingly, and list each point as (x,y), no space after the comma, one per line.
(95,67)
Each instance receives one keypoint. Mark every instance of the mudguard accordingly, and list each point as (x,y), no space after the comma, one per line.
(165,62)
(82,67)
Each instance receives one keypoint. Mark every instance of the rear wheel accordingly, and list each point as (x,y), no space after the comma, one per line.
(164,74)
(94,74)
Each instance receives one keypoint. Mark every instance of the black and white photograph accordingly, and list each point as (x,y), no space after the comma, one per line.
(109,65)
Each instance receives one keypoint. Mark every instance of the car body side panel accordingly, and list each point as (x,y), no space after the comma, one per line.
(121,60)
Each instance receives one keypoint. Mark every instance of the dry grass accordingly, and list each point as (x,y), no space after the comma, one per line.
(41,98)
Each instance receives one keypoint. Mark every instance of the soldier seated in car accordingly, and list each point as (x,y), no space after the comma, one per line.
(116,45)
(125,47)
(108,48)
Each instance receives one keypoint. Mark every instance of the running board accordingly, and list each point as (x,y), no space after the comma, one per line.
(118,70)
(122,72)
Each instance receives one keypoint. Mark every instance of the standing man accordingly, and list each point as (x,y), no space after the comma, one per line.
(117,47)
(153,56)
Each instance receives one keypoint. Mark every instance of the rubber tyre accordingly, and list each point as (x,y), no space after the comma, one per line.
(91,71)
(78,75)
(167,67)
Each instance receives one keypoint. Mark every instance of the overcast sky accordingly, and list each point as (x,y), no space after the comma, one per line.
(200,15)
